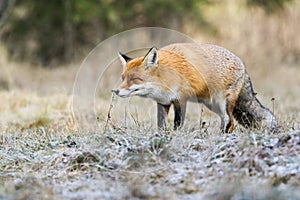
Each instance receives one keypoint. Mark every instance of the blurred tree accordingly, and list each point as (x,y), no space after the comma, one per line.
(51,32)
(5,6)
(269,6)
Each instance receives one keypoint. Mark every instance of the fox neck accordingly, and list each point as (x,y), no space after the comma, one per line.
(168,86)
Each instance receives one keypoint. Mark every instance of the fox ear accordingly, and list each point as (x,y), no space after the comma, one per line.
(124,59)
(151,58)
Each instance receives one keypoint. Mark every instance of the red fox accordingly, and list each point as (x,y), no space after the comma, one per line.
(204,73)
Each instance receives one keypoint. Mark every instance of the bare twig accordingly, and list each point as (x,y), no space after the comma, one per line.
(273,102)
(108,119)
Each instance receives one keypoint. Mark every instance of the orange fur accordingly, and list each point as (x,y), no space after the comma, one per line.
(186,70)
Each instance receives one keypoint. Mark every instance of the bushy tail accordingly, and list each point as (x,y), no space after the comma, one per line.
(249,112)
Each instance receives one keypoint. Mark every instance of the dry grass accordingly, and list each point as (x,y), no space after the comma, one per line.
(43,156)
(46,162)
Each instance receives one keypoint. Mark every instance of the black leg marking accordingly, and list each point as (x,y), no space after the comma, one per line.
(177,119)
(179,110)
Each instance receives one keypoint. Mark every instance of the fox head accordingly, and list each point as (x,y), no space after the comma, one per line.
(137,74)
(142,77)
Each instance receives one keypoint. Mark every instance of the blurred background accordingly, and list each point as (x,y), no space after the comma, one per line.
(43,43)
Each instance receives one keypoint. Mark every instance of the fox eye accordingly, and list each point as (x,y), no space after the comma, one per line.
(135,78)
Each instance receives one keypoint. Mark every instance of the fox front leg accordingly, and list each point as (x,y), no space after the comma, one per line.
(179,110)
(162,112)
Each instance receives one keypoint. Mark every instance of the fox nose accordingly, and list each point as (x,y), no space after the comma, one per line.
(116,91)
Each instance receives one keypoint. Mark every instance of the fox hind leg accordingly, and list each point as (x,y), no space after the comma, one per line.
(230,124)
(230,104)
(218,106)
(224,108)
